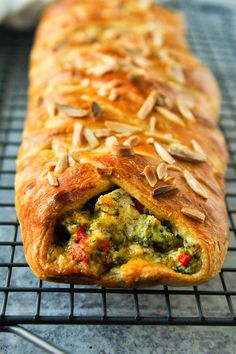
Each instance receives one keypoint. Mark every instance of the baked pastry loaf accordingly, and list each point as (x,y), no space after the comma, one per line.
(120,176)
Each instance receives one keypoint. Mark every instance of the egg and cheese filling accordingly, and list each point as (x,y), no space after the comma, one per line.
(117,229)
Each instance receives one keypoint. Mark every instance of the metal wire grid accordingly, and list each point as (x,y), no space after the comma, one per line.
(26,300)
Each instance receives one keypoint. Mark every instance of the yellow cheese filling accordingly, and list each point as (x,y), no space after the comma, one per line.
(116,229)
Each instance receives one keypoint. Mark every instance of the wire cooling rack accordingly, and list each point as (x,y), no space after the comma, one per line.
(26,300)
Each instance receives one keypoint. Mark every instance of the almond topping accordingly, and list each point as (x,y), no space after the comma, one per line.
(157,39)
(150,140)
(75,155)
(122,151)
(163,153)
(172,117)
(114,83)
(71,161)
(101,133)
(121,128)
(85,83)
(153,122)
(148,105)
(162,171)
(197,147)
(145,4)
(77,135)
(91,138)
(170,179)
(113,95)
(102,69)
(103,91)
(132,141)
(110,141)
(96,110)
(182,152)
(177,73)
(184,110)
(50,106)
(194,214)
(194,184)
(74,112)
(62,164)
(174,168)
(164,138)
(105,171)
(150,175)
(164,190)
(53,181)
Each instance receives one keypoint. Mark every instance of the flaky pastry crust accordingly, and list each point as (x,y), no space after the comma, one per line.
(115,53)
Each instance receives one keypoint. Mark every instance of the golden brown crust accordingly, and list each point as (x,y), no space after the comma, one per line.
(73,39)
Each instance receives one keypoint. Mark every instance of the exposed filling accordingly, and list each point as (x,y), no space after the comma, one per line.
(115,229)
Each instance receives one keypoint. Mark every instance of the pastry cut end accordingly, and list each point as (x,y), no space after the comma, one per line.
(114,239)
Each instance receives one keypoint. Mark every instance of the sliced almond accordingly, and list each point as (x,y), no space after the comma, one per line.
(194,184)
(172,117)
(182,152)
(164,190)
(103,91)
(170,180)
(157,39)
(185,110)
(162,171)
(148,105)
(150,175)
(114,83)
(194,214)
(145,4)
(110,141)
(75,155)
(123,135)
(186,99)
(132,141)
(163,153)
(141,61)
(177,73)
(85,83)
(102,133)
(113,95)
(150,140)
(105,171)
(96,110)
(77,135)
(53,181)
(164,138)
(153,122)
(122,151)
(102,69)
(74,112)
(174,168)
(71,161)
(62,164)
(121,127)
(50,106)
(197,147)
(91,138)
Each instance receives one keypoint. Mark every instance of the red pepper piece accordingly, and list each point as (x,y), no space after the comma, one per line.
(184,259)
(80,233)
(79,252)
(140,207)
(104,245)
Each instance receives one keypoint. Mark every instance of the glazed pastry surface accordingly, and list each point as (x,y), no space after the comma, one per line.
(120,175)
